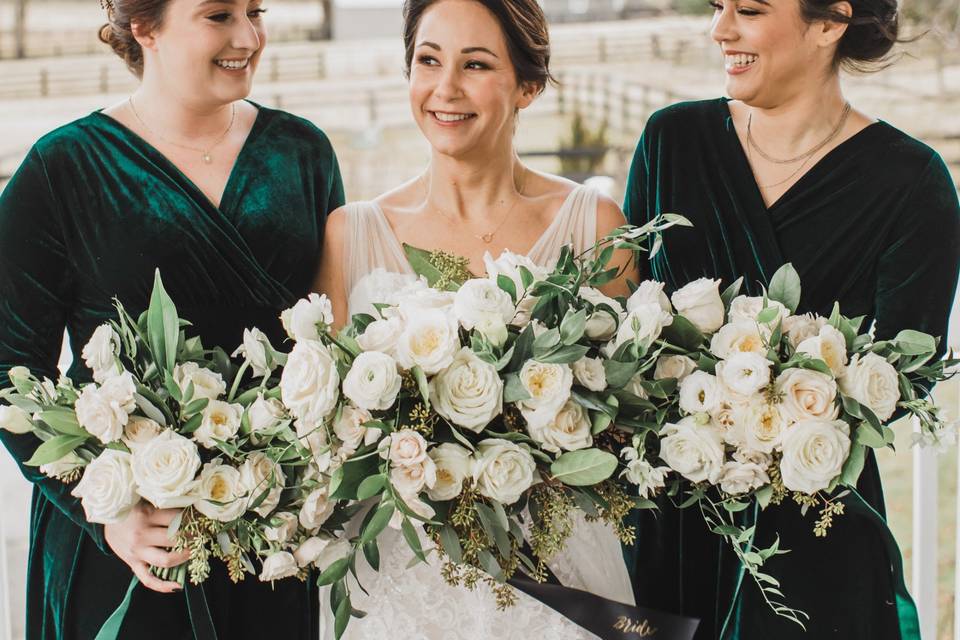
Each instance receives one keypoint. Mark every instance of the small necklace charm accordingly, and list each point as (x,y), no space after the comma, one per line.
(487,238)
(206,158)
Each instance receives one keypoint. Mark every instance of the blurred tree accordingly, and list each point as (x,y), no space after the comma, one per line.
(582,154)
(325,31)
(942,17)
(20,28)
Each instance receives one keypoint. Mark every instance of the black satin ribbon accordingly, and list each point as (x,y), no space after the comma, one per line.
(607,619)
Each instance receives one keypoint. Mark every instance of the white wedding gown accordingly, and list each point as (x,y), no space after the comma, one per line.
(415,603)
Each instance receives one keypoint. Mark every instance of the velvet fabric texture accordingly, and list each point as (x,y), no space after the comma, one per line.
(875,225)
(90,214)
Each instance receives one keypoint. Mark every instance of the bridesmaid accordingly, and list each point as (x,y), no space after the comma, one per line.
(228,199)
(785,170)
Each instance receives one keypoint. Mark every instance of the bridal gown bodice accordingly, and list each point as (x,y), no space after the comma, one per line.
(415,603)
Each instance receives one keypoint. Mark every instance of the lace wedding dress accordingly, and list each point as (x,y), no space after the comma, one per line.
(415,603)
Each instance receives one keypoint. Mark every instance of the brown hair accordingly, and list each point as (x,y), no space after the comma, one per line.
(524,27)
(119,34)
(871,31)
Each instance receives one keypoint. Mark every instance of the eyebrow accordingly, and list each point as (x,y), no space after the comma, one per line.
(435,46)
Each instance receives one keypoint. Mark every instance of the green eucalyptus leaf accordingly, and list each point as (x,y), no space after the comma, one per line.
(584,468)
(785,287)
(54,449)
(915,343)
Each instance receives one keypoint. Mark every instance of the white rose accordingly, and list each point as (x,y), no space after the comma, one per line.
(258,351)
(381,335)
(317,507)
(678,367)
(700,392)
(641,473)
(589,372)
(100,353)
(220,493)
(754,457)
(453,466)
(569,431)
(645,323)
(700,303)
(309,550)
(104,411)
(373,381)
(807,394)
(814,452)
(602,323)
(263,415)
(635,386)
(310,383)
(106,489)
(508,264)
(221,421)
(829,346)
(479,301)
(799,328)
(285,528)
(746,309)
(873,382)
(549,387)
(206,383)
(64,466)
(723,419)
(139,431)
(279,565)
(503,470)
(350,431)
(418,296)
(15,420)
(649,292)
(409,480)
(257,474)
(692,450)
(738,337)
(493,329)
(468,393)
(308,318)
(406,448)
(737,477)
(429,340)
(759,425)
(744,373)
(165,470)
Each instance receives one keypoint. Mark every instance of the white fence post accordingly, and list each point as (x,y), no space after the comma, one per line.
(925,536)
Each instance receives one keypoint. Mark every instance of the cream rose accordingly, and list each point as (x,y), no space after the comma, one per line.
(807,395)
(645,323)
(257,350)
(279,565)
(139,431)
(508,264)
(221,421)
(381,335)
(453,466)
(206,383)
(309,550)
(429,340)
(746,309)
(257,474)
(373,381)
(569,431)
(740,477)
(409,480)
(814,452)
(468,393)
(350,431)
(405,447)
(104,411)
(549,387)
(649,292)
(106,489)
(317,507)
(589,373)
(873,382)
(264,414)
(828,345)
(700,392)
(310,383)
(283,527)
(759,425)
(738,337)
(678,367)
(14,419)
(165,470)
(692,450)
(744,374)
(503,470)
(602,323)
(100,353)
(220,494)
(308,318)
(700,303)
(480,302)
(799,328)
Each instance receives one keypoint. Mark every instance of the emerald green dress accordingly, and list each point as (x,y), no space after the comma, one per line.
(875,225)
(90,214)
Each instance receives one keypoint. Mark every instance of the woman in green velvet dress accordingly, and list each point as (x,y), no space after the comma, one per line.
(229,201)
(786,171)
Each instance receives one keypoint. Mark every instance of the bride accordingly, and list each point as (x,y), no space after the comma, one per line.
(472,65)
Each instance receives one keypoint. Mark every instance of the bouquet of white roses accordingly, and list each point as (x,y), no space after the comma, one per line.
(773,405)
(160,424)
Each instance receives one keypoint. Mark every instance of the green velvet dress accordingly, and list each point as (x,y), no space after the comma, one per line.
(89,215)
(875,225)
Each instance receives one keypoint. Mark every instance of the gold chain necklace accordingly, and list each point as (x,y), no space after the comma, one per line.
(204,153)
(487,238)
(804,156)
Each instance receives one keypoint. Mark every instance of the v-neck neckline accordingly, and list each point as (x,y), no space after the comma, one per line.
(533,249)
(225,197)
(814,170)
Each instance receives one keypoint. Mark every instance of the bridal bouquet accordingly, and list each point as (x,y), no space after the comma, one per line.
(160,424)
(773,406)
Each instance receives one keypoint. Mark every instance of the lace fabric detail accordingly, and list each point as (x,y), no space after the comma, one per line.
(414,602)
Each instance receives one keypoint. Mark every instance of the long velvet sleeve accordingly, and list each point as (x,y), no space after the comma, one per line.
(917,272)
(35,300)
(337,198)
(635,206)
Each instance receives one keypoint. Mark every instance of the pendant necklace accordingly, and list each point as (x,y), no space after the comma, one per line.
(204,153)
(487,238)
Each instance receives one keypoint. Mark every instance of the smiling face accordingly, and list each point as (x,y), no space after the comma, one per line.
(206,51)
(464,92)
(770,52)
